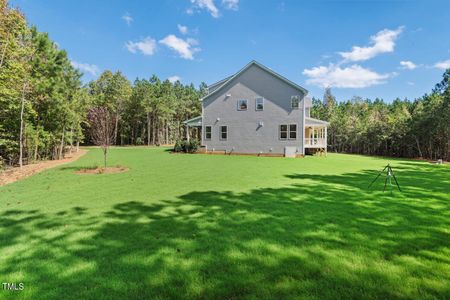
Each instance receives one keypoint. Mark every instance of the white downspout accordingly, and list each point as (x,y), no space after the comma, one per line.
(303,127)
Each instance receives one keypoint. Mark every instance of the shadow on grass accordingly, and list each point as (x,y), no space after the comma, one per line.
(324,237)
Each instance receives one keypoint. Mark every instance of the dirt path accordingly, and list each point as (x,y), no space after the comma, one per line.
(14,174)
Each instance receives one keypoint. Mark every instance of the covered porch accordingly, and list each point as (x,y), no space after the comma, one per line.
(315,134)
(193,128)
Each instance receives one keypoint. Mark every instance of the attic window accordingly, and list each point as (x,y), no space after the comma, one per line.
(295,102)
(259,103)
(242,104)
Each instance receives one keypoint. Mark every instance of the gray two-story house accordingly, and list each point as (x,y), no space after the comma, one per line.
(257,111)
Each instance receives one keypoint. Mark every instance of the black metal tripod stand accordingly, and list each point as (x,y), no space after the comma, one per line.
(389,176)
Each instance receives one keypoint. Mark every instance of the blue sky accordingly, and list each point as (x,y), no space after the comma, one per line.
(384,49)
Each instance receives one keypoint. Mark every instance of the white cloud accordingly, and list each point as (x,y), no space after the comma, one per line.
(206,4)
(182,47)
(146,46)
(410,83)
(231,4)
(174,78)
(127,18)
(91,69)
(190,11)
(382,42)
(183,29)
(353,76)
(443,65)
(406,64)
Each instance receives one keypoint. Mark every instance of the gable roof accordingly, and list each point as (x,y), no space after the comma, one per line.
(225,81)
(217,84)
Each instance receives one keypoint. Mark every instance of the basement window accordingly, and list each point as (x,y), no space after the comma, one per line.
(208,132)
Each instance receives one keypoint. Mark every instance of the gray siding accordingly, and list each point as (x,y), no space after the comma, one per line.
(244,133)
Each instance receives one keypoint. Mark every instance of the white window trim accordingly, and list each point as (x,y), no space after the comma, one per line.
(220,132)
(210,132)
(288,131)
(256,103)
(292,98)
(239,107)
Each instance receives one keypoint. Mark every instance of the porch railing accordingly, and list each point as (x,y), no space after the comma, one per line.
(315,142)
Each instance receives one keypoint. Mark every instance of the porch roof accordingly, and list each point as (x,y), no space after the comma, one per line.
(194,122)
(315,122)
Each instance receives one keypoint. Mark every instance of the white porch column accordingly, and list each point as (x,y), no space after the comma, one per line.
(313,137)
(187,132)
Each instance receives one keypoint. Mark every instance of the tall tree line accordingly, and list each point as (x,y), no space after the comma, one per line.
(147,112)
(44,105)
(403,128)
(41,99)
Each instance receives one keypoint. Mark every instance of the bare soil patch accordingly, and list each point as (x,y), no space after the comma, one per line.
(13,174)
(107,170)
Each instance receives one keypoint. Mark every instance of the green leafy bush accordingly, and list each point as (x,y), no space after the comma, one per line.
(192,146)
(139,141)
(185,146)
(178,146)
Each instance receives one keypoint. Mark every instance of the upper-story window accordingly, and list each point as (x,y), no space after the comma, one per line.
(259,103)
(307,112)
(295,102)
(242,104)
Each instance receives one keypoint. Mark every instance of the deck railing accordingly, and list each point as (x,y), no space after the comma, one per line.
(315,142)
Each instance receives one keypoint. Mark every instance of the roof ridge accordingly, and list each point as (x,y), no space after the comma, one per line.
(267,69)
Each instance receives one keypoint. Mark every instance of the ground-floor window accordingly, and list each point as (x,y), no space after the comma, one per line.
(283,132)
(288,131)
(208,132)
(223,132)
(293,131)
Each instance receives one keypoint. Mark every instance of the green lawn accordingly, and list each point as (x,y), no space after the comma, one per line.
(210,226)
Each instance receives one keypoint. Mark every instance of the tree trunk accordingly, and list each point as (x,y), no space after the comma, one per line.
(167,133)
(36,146)
(61,145)
(21,125)
(116,125)
(78,145)
(148,128)
(105,153)
(4,51)
(418,146)
(71,140)
(153,131)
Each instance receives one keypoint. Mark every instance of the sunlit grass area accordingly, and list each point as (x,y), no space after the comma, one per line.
(210,226)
